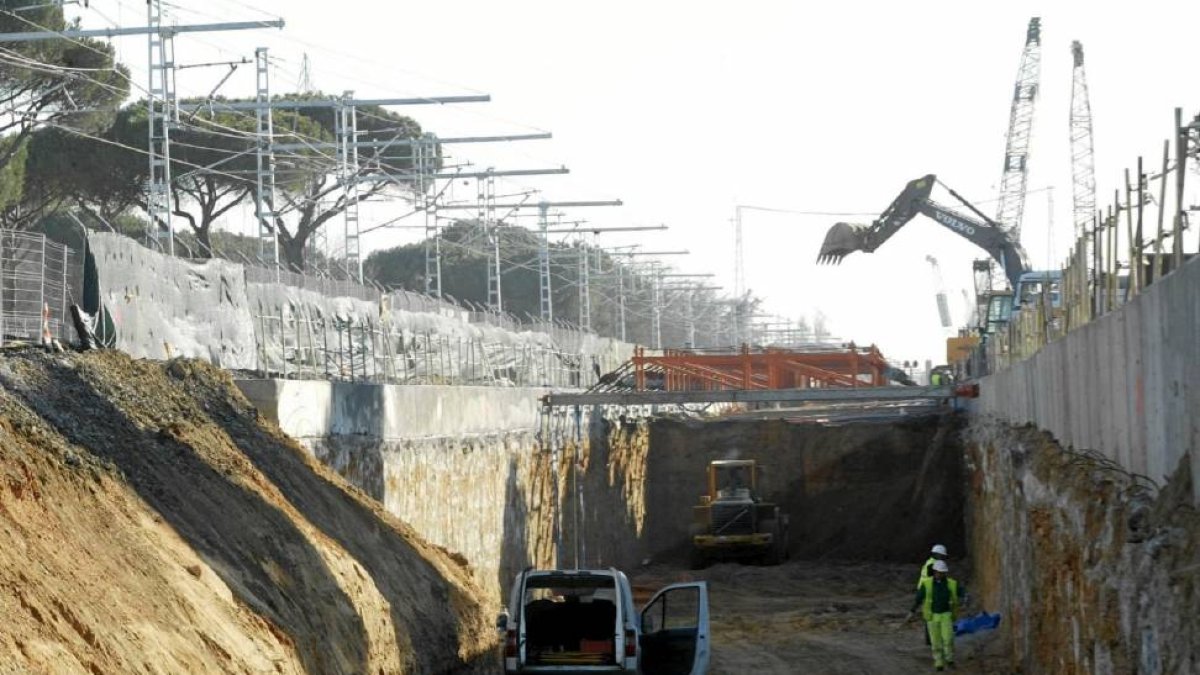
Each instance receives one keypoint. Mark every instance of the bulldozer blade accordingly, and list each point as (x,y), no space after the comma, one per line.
(842,240)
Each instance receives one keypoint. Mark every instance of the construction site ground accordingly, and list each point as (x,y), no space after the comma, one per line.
(826,617)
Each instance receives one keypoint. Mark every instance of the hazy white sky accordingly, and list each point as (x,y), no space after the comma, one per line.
(685,109)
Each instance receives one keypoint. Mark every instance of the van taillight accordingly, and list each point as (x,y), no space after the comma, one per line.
(630,644)
(510,645)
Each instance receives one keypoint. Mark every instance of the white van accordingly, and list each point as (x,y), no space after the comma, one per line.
(584,621)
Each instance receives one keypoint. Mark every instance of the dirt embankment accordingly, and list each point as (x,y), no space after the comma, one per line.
(865,491)
(1095,571)
(150,522)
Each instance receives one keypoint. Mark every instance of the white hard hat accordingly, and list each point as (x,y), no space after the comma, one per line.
(939,549)
(941,566)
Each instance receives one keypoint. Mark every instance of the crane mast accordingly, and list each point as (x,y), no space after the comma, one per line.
(1020,132)
(943,303)
(1083,175)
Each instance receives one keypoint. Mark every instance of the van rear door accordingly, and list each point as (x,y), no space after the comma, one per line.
(675,636)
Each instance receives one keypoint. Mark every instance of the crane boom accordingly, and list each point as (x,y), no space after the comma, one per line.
(845,238)
(1083,170)
(943,303)
(1020,132)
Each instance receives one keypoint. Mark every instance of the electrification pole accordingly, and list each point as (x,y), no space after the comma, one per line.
(424,161)
(346,120)
(264,175)
(161,108)
(486,193)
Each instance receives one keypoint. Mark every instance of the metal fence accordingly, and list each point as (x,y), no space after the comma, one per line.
(39,281)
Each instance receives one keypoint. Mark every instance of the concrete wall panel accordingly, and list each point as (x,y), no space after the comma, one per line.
(1124,385)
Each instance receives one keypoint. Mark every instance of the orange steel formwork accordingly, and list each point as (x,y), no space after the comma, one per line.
(763,369)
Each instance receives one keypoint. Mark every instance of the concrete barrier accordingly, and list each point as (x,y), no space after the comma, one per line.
(1126,385)
(459,464)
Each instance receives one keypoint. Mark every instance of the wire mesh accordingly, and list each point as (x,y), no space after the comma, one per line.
(39,281)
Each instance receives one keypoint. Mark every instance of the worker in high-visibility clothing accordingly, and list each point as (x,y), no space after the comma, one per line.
(938,552)
(938,598)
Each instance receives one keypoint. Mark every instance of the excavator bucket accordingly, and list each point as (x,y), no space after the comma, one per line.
(842,240)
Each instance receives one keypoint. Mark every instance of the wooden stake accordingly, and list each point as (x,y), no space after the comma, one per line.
(1159,265)
(1180,168)
(1131,286)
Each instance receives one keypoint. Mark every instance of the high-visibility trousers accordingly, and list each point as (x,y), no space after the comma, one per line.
(941,637)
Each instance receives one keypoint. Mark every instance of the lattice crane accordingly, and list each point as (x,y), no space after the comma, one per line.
(1020,132)
(1083,168)
(1015,178)
(943,303)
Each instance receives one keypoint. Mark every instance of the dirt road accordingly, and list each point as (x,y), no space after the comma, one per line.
(807,617)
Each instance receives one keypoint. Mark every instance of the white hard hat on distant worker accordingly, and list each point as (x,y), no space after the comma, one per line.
(939,549)
(941,566)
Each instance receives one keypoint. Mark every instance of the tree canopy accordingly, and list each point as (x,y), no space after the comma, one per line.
(465,254)
(317,195)
(66,83)
(213,162)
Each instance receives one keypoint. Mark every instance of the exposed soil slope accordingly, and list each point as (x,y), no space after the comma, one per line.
(868,491)
(150,522)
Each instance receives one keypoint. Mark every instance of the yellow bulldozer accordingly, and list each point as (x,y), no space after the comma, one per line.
(733,522)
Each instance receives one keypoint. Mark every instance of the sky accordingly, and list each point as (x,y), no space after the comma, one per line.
(684,110)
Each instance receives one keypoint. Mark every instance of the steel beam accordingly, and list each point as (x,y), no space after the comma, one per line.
(749,396)
(405,142)
(594,230)
(404,175)
(532,205)
(32,36)
(357,102)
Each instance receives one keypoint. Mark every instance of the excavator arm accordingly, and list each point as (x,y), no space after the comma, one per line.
(846,238)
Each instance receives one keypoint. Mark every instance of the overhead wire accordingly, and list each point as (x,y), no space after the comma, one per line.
(389,67)
(275,59)
(232,132)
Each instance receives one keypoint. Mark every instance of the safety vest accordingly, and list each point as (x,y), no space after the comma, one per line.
(927,606)
(925,573)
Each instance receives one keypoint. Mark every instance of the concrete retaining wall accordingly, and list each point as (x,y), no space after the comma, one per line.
(1126,385)
(458,464)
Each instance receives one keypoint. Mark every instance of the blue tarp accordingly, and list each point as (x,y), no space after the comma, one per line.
(978,622)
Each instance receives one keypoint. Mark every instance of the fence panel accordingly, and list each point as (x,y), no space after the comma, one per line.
(39,281)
